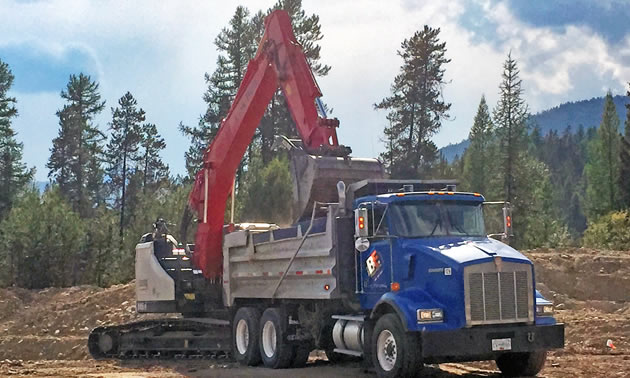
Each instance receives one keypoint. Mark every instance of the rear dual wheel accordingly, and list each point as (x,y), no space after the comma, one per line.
(275,352)
(245,336)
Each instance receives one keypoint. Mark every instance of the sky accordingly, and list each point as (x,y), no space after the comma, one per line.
(567,50)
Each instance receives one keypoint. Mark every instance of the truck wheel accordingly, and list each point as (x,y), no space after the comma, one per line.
(395,353)
(275,352)
(245,328)
(521,364)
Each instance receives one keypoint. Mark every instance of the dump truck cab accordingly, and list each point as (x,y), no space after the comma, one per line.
(425,257)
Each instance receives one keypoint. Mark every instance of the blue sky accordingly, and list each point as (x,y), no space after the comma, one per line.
(159,51)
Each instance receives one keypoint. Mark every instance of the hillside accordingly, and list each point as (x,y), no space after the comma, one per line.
(587,113)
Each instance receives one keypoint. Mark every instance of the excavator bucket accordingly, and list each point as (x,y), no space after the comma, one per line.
(315,178)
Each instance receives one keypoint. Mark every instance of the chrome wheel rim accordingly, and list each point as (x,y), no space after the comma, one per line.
(242,336)
(386,350)
(269,339)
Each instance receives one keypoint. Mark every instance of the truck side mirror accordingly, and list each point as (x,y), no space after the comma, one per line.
(361,222)
(507,220)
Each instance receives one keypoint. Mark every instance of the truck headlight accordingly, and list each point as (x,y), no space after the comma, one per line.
(544,310)
(430,315)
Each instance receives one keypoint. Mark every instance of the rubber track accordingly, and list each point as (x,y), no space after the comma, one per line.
(163,338)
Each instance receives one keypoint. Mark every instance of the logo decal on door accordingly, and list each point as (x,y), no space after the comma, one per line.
(373,263)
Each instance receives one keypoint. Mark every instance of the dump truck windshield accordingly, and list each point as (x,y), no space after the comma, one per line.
(421,219)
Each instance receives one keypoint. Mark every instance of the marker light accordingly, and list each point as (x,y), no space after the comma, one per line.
(395,286)
(508,221)
(361,223)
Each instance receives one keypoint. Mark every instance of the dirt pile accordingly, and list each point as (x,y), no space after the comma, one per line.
(54,323)
(591,292)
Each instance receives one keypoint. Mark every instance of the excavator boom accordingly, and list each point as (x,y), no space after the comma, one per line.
(279,63)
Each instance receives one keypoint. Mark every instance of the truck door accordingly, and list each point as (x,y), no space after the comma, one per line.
(374,268)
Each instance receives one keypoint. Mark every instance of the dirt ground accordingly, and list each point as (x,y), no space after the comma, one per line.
(44,333)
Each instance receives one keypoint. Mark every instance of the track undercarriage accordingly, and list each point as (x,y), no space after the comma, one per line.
(163,338)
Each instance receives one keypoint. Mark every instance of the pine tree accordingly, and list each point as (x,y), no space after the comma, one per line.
(602,168)
(154,170)
(122,150)
(624,162)
(236,47)
(416,107)
(14,174)
(510,118)
(74,162)
(477,156)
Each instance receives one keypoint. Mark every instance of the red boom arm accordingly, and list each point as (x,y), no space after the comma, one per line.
(279,62)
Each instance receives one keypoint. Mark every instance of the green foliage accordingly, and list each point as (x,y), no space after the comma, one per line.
(610,231)
(624,162)
(602,167)
(415,105)
(41,240)
(267,193)
(14,174)
(566,155)
(477,158)
(100,250)
(74,162)
(536,222)
(123,152)
(510,116)
(154,171)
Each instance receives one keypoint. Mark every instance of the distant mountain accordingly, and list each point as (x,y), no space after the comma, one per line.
(454,150)
(587,113)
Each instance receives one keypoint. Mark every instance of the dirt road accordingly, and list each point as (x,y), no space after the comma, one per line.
(43,333)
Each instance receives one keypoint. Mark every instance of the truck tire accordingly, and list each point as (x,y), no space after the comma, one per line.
(394,352)
(521,364)
(245,328)
(275,352)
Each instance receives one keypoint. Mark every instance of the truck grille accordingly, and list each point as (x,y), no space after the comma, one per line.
(494,296)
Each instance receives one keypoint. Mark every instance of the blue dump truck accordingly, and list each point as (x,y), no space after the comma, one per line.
(398,273)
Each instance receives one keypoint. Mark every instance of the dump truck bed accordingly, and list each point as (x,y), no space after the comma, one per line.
(255,262)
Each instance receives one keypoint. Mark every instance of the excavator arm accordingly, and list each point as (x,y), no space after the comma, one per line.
(278,63)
